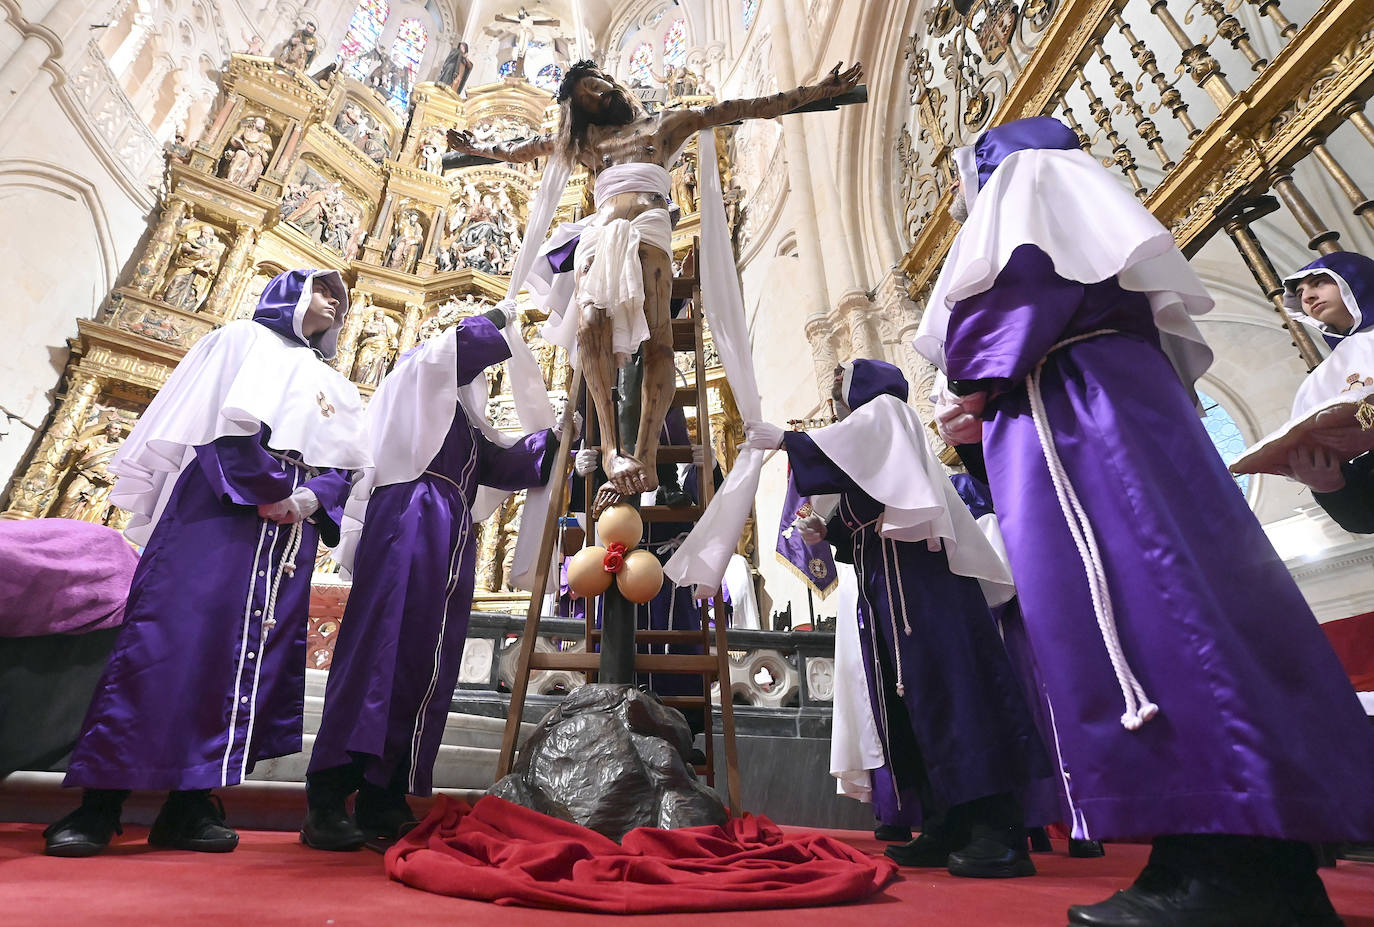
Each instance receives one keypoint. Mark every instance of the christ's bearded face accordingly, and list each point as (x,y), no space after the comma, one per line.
(958,207)
(603,101)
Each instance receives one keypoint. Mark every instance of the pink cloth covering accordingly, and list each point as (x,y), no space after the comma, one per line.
(59,576)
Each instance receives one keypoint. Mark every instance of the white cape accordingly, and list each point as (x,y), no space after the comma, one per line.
(855,748)
(230,383)
(1065,204)
(408,418)
(881,447)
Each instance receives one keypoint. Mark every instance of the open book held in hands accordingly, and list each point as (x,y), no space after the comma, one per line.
(1344,423)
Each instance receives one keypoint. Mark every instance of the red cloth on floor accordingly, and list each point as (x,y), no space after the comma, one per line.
(504,853)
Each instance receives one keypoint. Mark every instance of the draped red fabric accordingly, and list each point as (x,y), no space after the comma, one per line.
(503,853)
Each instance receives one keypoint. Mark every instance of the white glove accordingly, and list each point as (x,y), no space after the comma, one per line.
(585,461)
(507,306)
(298,506)
(812,528)
(959,418)
(762,436)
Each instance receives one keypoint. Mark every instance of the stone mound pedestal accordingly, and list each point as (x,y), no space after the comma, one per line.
(612,758)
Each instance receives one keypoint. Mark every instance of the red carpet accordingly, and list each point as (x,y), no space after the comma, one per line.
(271,879)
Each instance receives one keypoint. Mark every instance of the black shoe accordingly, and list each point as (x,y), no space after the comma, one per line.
(1040,840)
(892,833)
(1190,890)
(929,850)
(990,857)
(384,816)
(193,820)
(1086,849)
(88,829)
(330,828)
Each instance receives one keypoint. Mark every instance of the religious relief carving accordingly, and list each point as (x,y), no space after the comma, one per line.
(403,250)
(194,265)
(299,50)
(147,322)
(484,229)
(321,210)
(684,190)
(247,154)
(432,148)
(377,343)
(86,495)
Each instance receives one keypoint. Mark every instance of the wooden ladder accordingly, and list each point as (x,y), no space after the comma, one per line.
(711,666)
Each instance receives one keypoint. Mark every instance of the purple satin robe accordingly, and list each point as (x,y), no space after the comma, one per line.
(1259,732)
(400,643)
(960,729)
(208,672)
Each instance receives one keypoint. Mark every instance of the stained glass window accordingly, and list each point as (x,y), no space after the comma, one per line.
(675,44)
(506,68)
(653,20)
(364,29)
(406,50)
(750,8)
(1225,434)
(549,77)
(641,64)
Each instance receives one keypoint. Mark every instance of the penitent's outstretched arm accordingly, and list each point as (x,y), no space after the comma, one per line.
(515,151)
(680,124)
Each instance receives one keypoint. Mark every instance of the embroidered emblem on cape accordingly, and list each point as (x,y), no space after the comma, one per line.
(326,407)
(1354,381)
(816,567)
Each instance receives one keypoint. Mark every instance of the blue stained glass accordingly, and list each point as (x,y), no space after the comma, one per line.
(749,8)
(506,68)
(675,44)
(1225,434)
(364,29)
(641,64)
(549,77)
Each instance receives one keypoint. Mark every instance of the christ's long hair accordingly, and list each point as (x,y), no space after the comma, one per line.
(573,120)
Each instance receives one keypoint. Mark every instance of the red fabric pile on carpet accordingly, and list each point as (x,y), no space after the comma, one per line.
(504,853)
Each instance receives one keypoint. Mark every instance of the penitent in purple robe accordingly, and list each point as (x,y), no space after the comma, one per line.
(208,672)
(960,729)
(1258,731)
(400,642)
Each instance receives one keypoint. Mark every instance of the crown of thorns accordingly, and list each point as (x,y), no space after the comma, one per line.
(575,73)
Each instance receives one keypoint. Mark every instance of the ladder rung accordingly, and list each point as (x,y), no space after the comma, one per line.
(671,512)
(684,335)
(663,637)
(683,701)
(686,396)
(688,664)
(684,287)
(675,453)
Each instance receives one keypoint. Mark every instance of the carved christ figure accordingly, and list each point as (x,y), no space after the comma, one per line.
(524,23)
(602,127)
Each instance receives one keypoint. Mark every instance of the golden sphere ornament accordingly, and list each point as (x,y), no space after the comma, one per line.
(587,574)
(620,524)
(641,577)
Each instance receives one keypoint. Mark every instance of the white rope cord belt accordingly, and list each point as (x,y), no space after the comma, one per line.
(1139,708)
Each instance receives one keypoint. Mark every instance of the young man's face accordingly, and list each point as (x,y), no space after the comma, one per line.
(320,314)
(1320,297)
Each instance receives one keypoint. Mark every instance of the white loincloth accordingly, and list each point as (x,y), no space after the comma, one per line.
(615,283)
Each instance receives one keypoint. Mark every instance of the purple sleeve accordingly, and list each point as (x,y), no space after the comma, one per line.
(814,473)
(528,462)
(1003,332)
(242,472)
(480,344)
(331,488)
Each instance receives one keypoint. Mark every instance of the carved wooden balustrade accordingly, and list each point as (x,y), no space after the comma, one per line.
(1205,108)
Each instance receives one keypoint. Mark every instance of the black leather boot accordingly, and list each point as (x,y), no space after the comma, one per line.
(327,824)
(940,835)
(88,829)
(193,820)
(1039,840)
(384,815)
(1086,849)
(1218,881)
(892,833)
(996,848)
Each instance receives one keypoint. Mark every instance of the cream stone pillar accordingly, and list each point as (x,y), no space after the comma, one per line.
(42,42)
(145,98)
(410,329)
(358,307)
(823,354)
(35,491)
(128,50)
(171,123)
(864,340)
